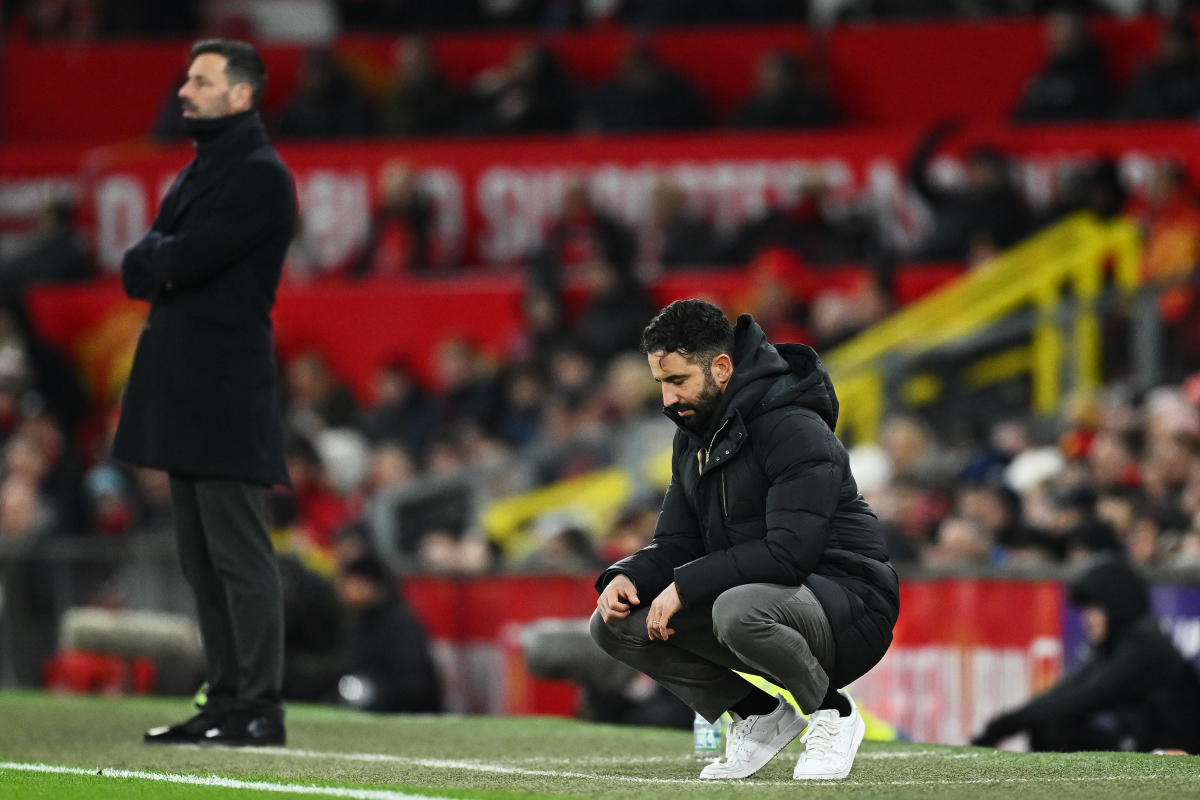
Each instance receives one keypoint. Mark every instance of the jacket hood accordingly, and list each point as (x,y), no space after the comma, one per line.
(766,377)
(1112,585)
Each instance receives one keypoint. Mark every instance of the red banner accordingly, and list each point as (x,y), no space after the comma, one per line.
(964,651)
(494,199)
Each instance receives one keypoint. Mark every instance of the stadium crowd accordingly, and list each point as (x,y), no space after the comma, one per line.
(112,18)
(533,92)
(399,481)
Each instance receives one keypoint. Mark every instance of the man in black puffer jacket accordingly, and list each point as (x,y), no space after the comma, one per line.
(765,560)
(1136,677)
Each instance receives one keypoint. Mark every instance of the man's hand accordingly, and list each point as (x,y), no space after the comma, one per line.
(617,599)
(665,606)
(999,728)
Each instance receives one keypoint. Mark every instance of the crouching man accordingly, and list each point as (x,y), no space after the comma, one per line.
(765,560)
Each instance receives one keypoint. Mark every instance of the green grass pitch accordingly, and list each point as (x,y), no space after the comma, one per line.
(334,753)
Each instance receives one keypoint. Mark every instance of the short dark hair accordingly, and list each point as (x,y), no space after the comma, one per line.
(243,64)
(695,329)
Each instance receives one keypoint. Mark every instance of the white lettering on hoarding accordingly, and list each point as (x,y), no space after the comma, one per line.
(948,693)
(335,216)
(121,218)
(21,199)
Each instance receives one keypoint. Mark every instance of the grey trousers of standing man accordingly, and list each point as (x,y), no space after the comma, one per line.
(779,633)
(227,557)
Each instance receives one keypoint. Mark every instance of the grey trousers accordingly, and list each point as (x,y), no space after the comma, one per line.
(777,632)
(227,557)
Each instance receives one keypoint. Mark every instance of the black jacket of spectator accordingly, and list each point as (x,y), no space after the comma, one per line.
(424,107)
(52,375)
(795,108)
(991,210)
(388,646)
(775,503)
(1135,672)
(327,105)
(203,394)
(1070,87)
(1164,91)
(536,96)
(646,97)
(612,322)
(409,421)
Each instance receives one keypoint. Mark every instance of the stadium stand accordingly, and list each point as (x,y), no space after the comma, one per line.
(447,320)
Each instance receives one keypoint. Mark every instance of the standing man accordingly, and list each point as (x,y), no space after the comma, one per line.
(202,401)
(765,560)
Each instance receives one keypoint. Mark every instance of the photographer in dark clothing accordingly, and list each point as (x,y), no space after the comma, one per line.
(388,665)
(202,401)
(1136,677)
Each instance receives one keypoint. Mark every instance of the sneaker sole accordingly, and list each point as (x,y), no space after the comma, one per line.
(860,730)
(769,751)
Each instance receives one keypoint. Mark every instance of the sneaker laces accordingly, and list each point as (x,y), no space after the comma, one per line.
(737,737)
(818,739)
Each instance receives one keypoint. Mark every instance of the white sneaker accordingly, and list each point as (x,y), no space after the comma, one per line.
(830,744)
(754,741)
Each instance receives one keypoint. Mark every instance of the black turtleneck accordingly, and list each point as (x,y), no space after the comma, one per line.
(209,129)
(215,136)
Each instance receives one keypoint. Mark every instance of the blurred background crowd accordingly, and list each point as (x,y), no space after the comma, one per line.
(454,471)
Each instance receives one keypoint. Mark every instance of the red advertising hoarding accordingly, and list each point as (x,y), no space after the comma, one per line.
(964,649)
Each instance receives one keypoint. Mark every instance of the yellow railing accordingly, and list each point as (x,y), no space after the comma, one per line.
(1074,254)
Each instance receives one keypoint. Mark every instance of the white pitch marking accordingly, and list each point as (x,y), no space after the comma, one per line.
(215,780)
(501,769)
(384,794)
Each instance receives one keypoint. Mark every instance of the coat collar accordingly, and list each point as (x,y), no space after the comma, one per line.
(215,154)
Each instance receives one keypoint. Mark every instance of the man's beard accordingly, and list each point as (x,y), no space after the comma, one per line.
(705,405)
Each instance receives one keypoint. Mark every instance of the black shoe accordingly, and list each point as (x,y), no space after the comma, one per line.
(188,732)
(248,729)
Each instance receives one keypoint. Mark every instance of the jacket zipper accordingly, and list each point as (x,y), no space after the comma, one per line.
(706,451)
(724,507)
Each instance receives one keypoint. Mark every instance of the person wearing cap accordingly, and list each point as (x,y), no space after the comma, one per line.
(1148,692)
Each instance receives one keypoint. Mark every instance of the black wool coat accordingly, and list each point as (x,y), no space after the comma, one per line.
(203,397)
(767,497)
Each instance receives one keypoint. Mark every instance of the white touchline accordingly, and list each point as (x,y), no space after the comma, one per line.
(226,783)
(502,769)
(386,794)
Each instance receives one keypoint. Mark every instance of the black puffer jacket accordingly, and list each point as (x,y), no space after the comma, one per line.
(769,498)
